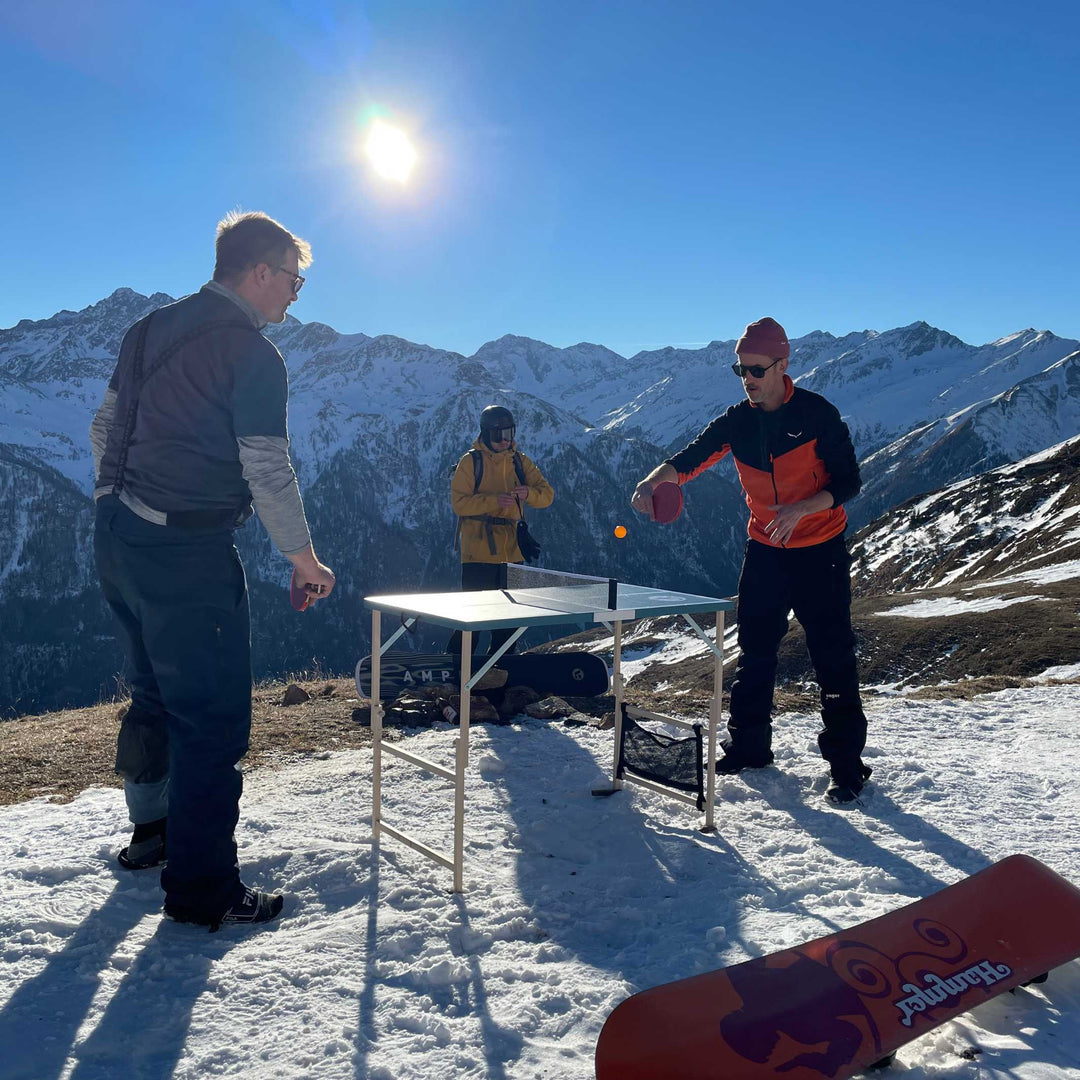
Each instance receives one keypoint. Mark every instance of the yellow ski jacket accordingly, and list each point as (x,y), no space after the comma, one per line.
(488,531)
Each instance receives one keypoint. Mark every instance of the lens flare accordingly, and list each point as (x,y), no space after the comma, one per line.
(391,154)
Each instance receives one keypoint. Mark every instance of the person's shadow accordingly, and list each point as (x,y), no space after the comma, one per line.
(622,896)
(145,1024)
(39,1022)
(841,831)
(627,897)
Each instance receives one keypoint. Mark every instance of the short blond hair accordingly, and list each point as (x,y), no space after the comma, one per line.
(245,239)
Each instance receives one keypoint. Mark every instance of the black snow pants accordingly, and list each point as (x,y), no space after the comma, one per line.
(815,583)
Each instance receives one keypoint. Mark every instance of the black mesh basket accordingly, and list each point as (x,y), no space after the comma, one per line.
(673,761)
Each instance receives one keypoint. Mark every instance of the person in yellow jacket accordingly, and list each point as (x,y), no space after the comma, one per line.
(489,510)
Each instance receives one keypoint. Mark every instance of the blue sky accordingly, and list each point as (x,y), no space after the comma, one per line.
(634,174)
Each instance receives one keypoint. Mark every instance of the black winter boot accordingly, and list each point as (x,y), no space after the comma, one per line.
(146,848)
(734,761)
(846,785)
(252,906)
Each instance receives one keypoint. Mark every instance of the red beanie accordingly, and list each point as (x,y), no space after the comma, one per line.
(765,337)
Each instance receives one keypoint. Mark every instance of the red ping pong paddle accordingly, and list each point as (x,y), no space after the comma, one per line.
(667,500)
(298,594)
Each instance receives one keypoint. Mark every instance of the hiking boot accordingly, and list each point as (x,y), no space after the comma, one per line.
(146,848)
(845,790)
(254,906)
(734,762)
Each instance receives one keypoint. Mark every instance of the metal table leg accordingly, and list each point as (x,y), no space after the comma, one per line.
(462,760)
(376,723)
(617,688)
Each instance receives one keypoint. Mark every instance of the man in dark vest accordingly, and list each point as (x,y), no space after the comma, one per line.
(191,432)
(797,467)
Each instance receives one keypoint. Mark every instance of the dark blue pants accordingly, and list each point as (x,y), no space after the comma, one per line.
(180,601)
(815,583)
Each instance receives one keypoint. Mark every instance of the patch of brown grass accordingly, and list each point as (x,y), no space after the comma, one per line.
(968,689)
(60,754)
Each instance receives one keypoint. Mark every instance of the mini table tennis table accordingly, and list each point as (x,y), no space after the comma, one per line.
(498,609)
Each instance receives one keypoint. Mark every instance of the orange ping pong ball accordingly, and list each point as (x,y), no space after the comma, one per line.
(620,531)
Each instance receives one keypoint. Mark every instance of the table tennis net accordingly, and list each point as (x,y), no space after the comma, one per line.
(555,589)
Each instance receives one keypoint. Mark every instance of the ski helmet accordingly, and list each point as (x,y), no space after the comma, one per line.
(496,418)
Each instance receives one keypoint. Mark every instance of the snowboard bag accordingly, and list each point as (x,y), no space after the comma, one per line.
(577,674)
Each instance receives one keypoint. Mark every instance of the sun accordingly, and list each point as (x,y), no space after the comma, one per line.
(391,154)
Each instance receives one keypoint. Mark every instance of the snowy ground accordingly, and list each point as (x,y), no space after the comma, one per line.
(573,903)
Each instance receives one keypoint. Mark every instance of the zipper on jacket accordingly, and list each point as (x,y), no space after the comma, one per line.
(776,494)
(764,435)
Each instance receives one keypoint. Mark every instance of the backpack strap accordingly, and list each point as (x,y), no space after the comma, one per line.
(487,519)
(477,469)
(519,468)
(139,378)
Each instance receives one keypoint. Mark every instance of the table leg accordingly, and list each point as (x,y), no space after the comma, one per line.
(617,687)
(376,716)
(715,716)
(462,760)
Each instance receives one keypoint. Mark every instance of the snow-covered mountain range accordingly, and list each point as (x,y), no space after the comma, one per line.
(1003,428)
(978,582)
(378,423)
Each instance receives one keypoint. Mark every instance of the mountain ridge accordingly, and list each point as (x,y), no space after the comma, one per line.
(377,423)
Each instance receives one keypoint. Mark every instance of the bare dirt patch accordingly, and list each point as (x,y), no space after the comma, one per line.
(1016,641)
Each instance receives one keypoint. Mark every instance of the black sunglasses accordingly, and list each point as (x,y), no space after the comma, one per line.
(298,281)
(505,434)
(756,370)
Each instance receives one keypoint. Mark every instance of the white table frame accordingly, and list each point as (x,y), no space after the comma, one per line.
(455,860)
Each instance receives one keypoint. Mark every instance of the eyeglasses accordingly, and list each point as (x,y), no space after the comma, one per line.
(756,370)
(298,281)
(505,434)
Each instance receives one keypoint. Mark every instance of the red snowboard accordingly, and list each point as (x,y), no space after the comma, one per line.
(832,1007)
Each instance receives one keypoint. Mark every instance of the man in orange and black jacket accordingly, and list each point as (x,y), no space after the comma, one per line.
(797,467)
